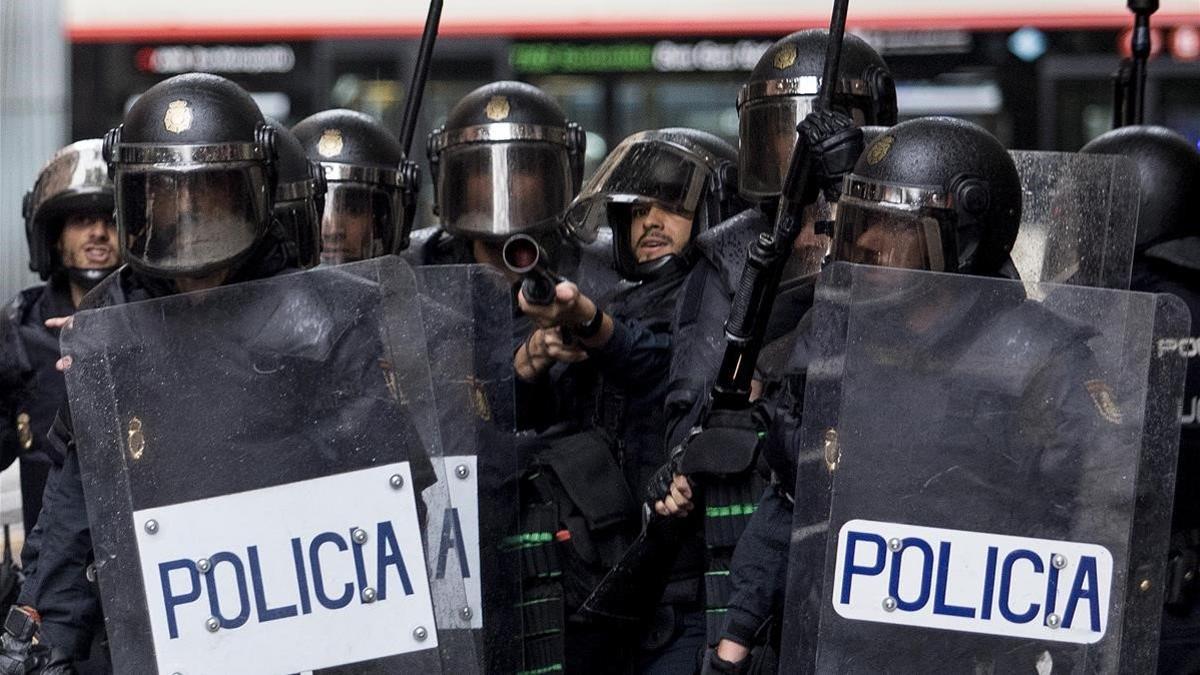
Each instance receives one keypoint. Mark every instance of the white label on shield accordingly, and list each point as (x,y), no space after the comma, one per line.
(302,576)
(460,533)
(973,582)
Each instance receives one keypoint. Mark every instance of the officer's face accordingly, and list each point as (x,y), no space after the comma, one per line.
(89,241)
(656,232)
(345,234)
(889,242)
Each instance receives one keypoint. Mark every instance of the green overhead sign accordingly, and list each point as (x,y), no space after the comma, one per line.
(549,57)
(662,56)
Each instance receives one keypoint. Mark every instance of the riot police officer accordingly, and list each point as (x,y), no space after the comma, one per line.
(931,194)
(600,378)
(1167,260)
(371,188)
(194,167)
(508,161)
(779,94)
(72,245)
(781,90)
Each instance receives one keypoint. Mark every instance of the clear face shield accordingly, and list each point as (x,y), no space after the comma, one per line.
(363,215)
(359,222)
(768,114)
(298,209)
(643,171)
(767,129)
(191,220)
(890,226)
(495,180)
(492,190)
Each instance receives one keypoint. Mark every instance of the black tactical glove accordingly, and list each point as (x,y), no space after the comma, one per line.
(659,484)
(714,664)
(834,144)
(19,655)
(727,444)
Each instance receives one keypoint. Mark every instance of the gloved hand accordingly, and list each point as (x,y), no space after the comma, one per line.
(834,144)
(669,493)
(727,444)
(19,657)
(714,665)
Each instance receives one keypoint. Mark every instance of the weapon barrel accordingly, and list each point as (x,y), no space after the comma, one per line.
(833,52)
(522,255)
(420,72)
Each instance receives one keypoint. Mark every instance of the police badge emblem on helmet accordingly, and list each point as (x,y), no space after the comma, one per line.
(330,144)
(497,108)
(879,149)
(785,57)
(178,118)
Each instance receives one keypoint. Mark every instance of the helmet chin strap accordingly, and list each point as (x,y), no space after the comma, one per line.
(88,278)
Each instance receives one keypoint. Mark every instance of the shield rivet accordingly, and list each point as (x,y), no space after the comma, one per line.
(368,595)
(203,565)
(213,624)
(462,471)
(151,526)
(359,536)
(894,544)
(889,604)
(1058,560)
(1144,586)
(466,613)
(396,481)
(419,633)
(1053,620)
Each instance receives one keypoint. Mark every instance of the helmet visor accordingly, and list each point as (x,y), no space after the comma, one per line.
(645,172)
(492,190)
(360,221)
(870,233)
(767,130)
(190,221)
(302,225)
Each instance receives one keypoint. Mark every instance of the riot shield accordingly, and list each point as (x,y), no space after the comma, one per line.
(984,480)
(1078,218)
(259,465)
(468,316)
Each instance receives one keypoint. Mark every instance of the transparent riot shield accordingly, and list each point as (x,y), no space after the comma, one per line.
(261,476)
(984,480)
(468,316)
(1078,218)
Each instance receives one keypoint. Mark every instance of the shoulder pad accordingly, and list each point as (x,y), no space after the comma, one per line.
(726,244)
(1021,340)
(16,311)
(595,274)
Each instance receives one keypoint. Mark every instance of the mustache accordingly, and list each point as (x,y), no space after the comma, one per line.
(654,234)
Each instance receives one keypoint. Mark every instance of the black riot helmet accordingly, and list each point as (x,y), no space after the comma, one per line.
(683,171)
(193,164)
(781,91)
(506,161)
(371,189)
(299,196)
(74,181)
(1169,175)
(933,193)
